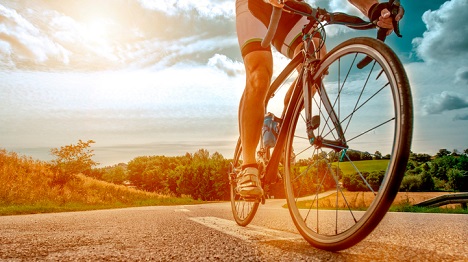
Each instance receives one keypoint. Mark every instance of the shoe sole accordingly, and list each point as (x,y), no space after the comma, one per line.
(251,193)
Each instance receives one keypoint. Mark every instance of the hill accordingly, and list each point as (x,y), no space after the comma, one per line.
(31,186)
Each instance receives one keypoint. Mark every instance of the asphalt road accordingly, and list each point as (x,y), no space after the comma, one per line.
(208,233)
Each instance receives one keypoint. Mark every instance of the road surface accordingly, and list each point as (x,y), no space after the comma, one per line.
(208,233)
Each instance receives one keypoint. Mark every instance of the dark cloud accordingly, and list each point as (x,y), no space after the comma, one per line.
(446,102)
(461,117)
(462,75)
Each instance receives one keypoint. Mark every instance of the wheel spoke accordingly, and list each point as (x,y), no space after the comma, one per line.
(370,129)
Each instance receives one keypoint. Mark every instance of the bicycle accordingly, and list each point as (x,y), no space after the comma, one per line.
(354,100)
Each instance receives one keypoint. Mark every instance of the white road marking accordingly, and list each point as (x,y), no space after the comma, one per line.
(248,233)
(181,209)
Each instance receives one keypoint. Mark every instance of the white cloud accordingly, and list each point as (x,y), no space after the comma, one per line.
(439,83)
(446,38)
(168,33)
(206,8)
(23,41)
(230,67)
(345,7)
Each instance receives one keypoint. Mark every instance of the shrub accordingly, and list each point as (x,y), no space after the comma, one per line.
(354,182)
(458,179)
(411,183)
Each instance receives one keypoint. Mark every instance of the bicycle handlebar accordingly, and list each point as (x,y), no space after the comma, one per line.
(332,18)
(274,21)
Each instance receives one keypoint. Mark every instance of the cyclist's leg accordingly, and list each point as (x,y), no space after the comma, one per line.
(258,63)
(258,67)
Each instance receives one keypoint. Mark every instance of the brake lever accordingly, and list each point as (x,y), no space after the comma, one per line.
(395,9)
(382,32)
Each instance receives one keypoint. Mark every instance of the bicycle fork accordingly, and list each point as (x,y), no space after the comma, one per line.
(326,110)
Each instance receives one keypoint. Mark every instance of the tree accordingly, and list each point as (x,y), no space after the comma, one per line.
(204,177)
(353,155)
(366,156)
(71,160)
(443,152)
(458,179)
(420,158)
(116,174)
(377,155)
(455,153)
(427,182)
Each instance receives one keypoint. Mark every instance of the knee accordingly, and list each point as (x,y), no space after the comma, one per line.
(258,82)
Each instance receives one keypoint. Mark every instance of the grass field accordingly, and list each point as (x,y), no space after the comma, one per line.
(363,166)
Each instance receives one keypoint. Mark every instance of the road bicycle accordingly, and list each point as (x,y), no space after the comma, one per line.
(352,104)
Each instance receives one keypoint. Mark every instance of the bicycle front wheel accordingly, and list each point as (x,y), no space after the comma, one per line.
(243,210)
(338,195)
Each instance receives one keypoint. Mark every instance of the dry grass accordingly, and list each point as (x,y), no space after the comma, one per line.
(27,186)
(361,200)
(415,197)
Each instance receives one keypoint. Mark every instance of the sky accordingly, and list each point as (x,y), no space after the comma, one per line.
(142,77)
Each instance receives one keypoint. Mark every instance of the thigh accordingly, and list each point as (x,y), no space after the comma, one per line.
(252,19)
(250,29)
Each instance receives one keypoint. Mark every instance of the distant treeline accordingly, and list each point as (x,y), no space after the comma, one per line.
(204,176)
(201,175)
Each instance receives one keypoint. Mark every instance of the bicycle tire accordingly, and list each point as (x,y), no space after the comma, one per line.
(344,221)
(243,211)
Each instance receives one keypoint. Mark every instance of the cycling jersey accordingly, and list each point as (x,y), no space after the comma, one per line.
(252,19)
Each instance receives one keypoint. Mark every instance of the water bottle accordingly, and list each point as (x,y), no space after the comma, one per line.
(269,130)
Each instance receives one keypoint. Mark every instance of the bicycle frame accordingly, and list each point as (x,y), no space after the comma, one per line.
(304,88)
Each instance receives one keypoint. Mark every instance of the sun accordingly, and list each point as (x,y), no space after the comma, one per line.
(97,29)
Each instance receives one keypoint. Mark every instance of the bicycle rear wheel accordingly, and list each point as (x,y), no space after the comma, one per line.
(335,197)
(243,210)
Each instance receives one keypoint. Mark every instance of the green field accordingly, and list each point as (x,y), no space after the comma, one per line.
(363,166)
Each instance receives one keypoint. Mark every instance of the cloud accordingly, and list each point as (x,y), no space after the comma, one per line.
(445,102)
(204,8)
(462,75)
(343,6)
(446,36)
(461,117)
(113,35)
(23,42)
(231,68)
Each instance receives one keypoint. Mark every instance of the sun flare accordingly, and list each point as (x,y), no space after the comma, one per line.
(97,30)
